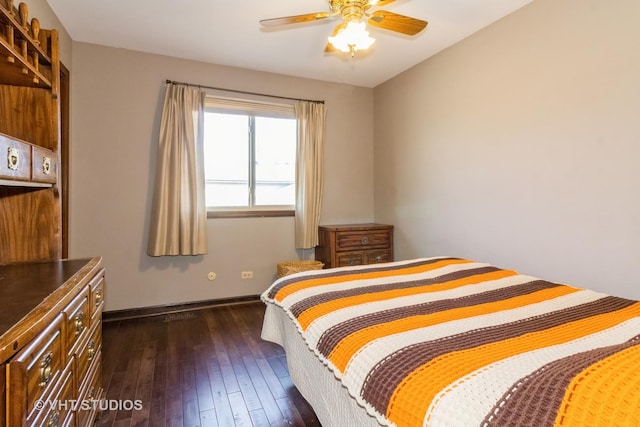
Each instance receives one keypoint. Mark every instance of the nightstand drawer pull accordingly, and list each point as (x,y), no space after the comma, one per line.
(46,370)
(379,258)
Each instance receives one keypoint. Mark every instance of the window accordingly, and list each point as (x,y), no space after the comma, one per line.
(250,157)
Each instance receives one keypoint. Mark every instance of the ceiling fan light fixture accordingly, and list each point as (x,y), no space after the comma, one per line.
(352,38)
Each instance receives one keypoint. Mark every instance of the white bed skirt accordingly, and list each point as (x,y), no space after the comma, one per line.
(330,400)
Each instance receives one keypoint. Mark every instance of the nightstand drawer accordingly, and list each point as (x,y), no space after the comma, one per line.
(345,259)
(350,240)
(374,257)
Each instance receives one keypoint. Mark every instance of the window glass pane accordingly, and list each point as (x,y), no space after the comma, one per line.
(275,161)
(226,153)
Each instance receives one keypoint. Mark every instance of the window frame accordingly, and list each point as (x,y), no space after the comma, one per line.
(252,109)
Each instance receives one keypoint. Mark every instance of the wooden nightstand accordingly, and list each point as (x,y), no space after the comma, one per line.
(354,244)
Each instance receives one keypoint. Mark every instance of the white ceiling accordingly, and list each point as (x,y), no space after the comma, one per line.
(227,32)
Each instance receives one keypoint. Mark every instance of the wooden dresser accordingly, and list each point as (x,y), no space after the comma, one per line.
(354,244)
(51,342)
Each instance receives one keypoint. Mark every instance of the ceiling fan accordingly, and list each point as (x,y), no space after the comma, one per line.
(350,35)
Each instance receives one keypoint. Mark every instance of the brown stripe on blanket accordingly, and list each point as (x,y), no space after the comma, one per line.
(385,377)
(331,272)
(536,399)
(332,336)
(302,305)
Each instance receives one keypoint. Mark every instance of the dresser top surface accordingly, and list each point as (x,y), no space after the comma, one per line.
(24,286)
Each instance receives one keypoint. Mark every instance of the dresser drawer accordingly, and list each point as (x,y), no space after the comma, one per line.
(88,352)
(376,256)
(91,394)
(3,394)
(350,240)
(15,159)
(35,370)
(44,165)
(78,319)
(71,420)
(97,293)
(57,409)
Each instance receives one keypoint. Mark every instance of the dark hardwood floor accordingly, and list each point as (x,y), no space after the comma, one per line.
(206,367)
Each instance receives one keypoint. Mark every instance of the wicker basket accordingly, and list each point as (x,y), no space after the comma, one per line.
(289,267)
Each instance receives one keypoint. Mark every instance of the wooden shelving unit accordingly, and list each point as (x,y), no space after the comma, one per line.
(30,204)
(24,44)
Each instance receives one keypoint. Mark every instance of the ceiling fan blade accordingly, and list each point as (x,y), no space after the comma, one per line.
(380,2)
(395,22)
(296,19)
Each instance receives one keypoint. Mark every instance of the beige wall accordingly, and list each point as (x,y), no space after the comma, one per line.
(520,146)
(116,101)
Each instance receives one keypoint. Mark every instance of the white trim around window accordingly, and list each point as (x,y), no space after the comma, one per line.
(264,175)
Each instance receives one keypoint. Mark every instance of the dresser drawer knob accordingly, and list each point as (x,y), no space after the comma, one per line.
(79,321)
(54,419)
(13,159)
(90,394)
(364,240)
(98,297)
(379,258)
(46,370)
(91,350)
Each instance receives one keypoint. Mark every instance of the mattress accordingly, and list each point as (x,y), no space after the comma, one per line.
(452,342)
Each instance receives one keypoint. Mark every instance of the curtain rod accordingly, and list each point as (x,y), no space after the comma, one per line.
(245,92)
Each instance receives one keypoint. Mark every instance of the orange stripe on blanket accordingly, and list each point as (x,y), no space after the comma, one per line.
(412,396)
(309,283)
(319,310)
(606,393)
(345,350)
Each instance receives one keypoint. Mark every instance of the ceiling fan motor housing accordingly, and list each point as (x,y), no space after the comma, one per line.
(350,10)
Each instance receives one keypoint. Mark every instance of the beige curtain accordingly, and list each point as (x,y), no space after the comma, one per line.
(178,215)
(309,171)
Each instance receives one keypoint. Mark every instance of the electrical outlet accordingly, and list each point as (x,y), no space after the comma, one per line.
(246,275)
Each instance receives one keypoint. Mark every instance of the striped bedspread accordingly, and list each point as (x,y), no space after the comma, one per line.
(447,341)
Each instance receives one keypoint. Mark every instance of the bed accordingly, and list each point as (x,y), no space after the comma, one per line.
(451,342)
